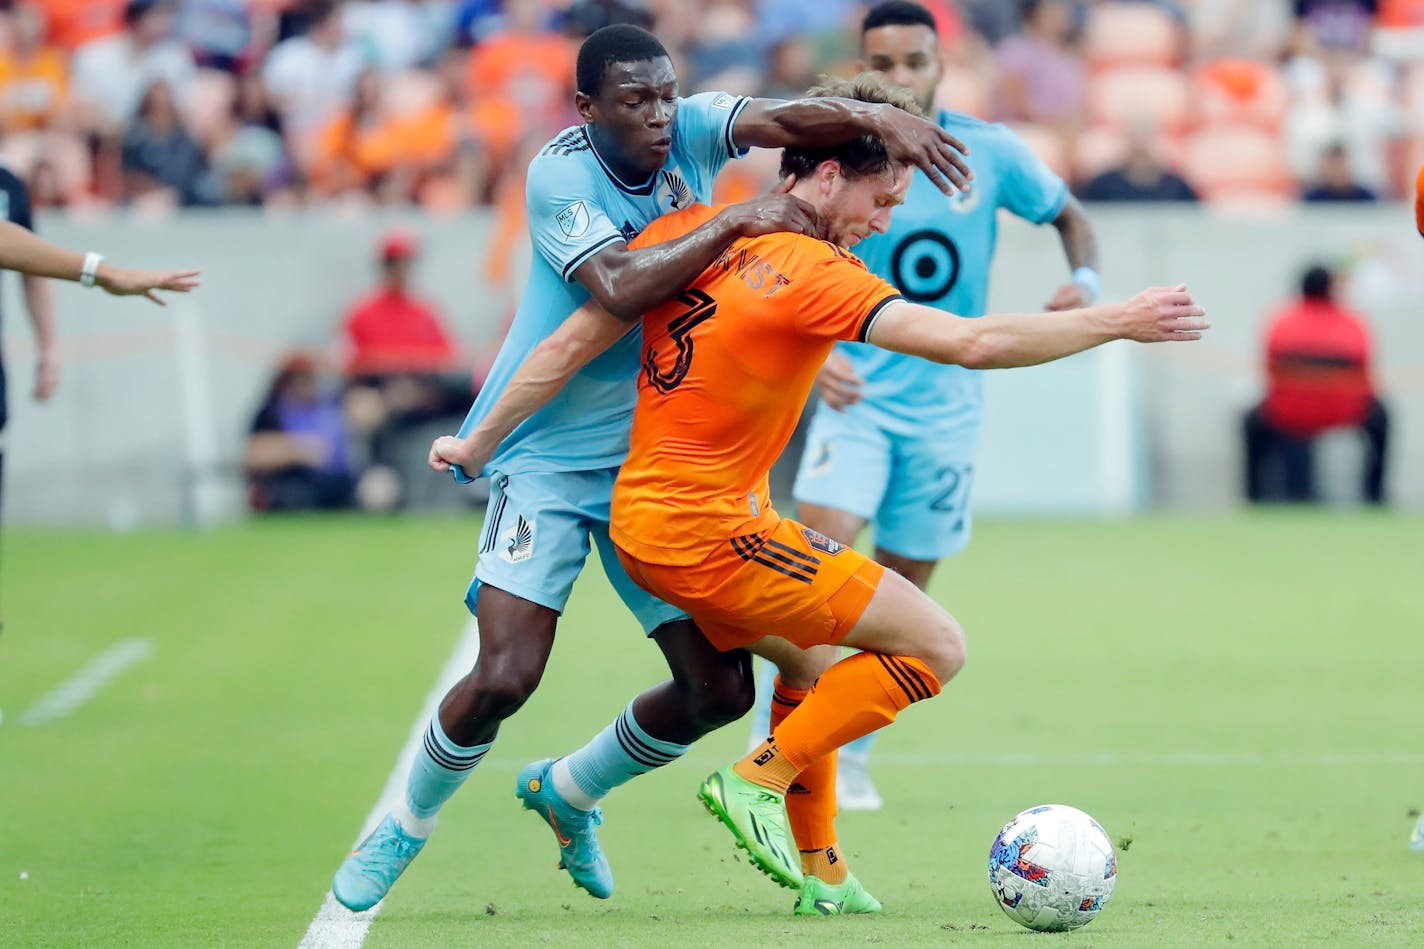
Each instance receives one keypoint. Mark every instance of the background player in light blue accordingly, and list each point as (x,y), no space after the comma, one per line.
(642,151)
(893,441)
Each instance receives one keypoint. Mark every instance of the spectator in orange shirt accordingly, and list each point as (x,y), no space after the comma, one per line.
(1318,357)
(34,77)
(72,23)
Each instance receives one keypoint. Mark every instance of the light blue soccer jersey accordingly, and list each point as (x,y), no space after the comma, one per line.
(937,252)
(577,206)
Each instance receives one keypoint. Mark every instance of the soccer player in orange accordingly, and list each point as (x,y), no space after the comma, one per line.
(726,370)
(1419,201)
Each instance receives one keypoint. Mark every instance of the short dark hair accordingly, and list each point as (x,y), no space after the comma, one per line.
(897,13)
(620,43)
(1315,283)
(858,157)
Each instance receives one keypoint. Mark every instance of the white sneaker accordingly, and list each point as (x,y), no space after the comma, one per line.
(1416,841)
(854,789)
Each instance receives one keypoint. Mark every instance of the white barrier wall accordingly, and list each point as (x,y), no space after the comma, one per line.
(150,420)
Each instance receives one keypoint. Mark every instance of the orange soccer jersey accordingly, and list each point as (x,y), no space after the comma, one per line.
(1419,201)
(727,368)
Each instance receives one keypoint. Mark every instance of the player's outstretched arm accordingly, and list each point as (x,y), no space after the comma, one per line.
(829,120)
(1156,315)
(21,250)
(587,332)
(629,282)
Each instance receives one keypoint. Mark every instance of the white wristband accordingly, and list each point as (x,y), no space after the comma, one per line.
(90,270)
(1087,278)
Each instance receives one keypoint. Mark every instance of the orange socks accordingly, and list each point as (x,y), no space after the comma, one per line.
(856,696)
(811,801)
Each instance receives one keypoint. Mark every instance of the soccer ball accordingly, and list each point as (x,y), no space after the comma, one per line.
(1052,868)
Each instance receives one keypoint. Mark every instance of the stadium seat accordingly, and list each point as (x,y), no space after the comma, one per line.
(409,92)
(1125,33)
(1045,142)
(1239,90)
(1119,97)
(1235,161)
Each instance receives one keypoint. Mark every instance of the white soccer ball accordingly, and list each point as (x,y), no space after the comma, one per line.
(1052,868)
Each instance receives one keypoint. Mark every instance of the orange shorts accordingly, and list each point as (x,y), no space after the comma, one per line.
(789,581)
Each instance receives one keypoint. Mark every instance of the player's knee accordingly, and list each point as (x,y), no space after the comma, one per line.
(722,696)
(801,669)
(503,684)
(946,651)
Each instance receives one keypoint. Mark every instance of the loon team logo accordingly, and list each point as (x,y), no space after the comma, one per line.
(573,220)
(517,543)
(674,190)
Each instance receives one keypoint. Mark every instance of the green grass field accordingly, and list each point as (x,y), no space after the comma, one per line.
(1241,699)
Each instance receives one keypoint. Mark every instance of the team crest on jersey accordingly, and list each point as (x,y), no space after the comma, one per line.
(573,220)
(517,543)
(674,191)
(821,542)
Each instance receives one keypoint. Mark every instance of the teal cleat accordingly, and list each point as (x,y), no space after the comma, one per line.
(819,898)
(756,816)
(366,876)
(579,852)
(1416,841)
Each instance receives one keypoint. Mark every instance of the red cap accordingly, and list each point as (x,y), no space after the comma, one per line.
(397,245)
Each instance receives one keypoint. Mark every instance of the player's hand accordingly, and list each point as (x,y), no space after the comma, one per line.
(447,451)
(840,386)
(1163,314)
(1070,296)
(916,141)
(776,212)
(46,377)
(123,282)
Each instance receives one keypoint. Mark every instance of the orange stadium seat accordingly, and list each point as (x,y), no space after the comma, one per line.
(1236,162)
(1119,34)
(1240,90)
(1131,93)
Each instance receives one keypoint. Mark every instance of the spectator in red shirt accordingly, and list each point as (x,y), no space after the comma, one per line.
(1318,378)
(390,331)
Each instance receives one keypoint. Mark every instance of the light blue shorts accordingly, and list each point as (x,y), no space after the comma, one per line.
(913,489)
(536,538)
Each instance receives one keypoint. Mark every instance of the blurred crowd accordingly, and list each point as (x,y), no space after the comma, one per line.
(163,103)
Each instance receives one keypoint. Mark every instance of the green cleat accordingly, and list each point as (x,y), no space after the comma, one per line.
(819,898)
(756,816)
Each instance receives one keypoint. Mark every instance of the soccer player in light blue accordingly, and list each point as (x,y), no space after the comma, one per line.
(641,152)
(893,441)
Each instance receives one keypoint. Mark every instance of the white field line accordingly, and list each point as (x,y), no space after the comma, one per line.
(86,683)
(335,926)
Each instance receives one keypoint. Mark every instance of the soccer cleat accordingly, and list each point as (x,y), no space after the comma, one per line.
(1416,840)
(579,852)
(366,876)
(756,816)
(854,789)
(819,898)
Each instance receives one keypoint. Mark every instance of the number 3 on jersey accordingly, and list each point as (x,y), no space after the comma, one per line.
(700,308)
